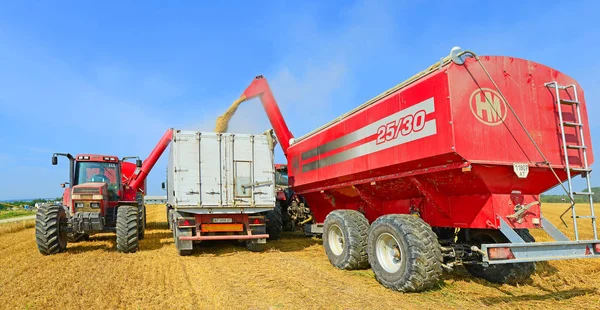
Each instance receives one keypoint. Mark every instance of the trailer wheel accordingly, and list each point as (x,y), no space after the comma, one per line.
(127,229)
(345,239)
(51,229)
(501,273)
(254,246)
(77,237)
(274,222)
(404,253)
(142,222)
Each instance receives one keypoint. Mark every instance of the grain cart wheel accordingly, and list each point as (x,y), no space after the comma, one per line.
(142,222)
(345,239)
(254,246)
(51,229)
(77,237)
(404,253)
(274,222)
(501,273)
(127,229)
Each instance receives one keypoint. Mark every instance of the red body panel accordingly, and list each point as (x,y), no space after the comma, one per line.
(436,148)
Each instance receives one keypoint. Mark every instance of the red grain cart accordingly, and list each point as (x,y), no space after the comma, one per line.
(445,169)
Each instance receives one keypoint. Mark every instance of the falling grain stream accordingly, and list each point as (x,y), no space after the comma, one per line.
(223,120)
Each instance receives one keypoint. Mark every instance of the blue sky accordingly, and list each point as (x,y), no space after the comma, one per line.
(111,77)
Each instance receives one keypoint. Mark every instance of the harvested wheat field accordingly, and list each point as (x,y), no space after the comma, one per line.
(294,273)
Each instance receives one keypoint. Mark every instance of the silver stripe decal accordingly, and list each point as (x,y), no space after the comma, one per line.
(372,146)
(370,129)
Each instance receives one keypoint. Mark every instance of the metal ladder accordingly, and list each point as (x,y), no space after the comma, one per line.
(585,170)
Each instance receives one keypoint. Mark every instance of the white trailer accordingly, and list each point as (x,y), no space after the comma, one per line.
(220,186)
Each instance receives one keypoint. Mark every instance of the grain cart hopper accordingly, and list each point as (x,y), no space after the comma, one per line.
(220,186)
(445,169)
(105,195)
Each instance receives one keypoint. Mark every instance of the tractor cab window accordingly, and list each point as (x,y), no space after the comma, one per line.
(281,177)
(93,172)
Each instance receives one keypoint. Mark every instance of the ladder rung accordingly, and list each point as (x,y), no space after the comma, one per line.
(583,193)
(571,146)
(584,217)
(570,124)
(554,85)
(581,169)
(569,102)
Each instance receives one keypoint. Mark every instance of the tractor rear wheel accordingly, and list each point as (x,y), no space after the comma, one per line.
(345,239)
(78,237)
(404,253)
(142,222)
(274,222)
(127,229)
(51,229)
(515,273)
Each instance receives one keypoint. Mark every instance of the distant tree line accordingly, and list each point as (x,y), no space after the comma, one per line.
(18,203)
(578,198)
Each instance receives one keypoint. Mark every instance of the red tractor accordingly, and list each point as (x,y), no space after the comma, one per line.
(293,208)
(105,194)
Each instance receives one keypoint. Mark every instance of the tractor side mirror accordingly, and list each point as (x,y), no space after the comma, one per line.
(54,160)
(138,163)
(63,185)
(163,185)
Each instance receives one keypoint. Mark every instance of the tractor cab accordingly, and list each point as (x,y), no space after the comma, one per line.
(89,172)
(97,183)
(281,176)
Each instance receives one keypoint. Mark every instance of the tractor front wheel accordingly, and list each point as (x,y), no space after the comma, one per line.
(51,229)
(127,229)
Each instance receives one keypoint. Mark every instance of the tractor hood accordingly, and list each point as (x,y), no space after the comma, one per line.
(90,188)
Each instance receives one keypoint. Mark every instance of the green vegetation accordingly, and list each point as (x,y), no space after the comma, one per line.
(565,198)
(21,203)
(9,214)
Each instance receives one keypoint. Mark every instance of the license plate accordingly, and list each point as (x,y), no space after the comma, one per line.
(521,170)
(222,220)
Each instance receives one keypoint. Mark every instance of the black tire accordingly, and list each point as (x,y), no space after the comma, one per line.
(254,246)
(419,263)
(77,237)
(51,229)
(515,273)
(351,228)
(142,222)
(127,229)
(274,222)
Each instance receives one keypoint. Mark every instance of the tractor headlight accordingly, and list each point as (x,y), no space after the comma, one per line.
(79,205)
(95,205)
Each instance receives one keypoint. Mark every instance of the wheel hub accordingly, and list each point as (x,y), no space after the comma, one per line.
(389,253)
(336,240)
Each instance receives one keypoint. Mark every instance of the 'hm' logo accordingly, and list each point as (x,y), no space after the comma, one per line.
(488,107)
